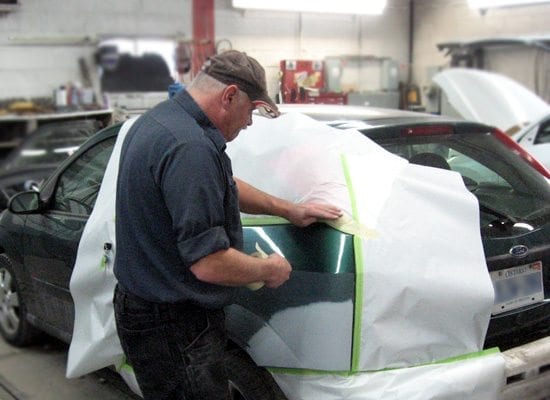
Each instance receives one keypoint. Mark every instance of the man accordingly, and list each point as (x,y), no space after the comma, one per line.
(179,238)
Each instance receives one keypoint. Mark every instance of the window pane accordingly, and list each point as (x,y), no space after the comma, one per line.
(78,187)
(506,187)
(52,143)
(544,134)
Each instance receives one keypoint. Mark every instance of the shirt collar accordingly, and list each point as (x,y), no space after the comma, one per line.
(184,99)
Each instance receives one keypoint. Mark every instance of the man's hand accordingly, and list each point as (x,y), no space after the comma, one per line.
(230,267)
(279,271)
(254,201)
(308,213)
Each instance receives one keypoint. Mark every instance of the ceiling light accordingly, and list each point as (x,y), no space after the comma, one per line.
(33,153)
(372,7)
(502,3)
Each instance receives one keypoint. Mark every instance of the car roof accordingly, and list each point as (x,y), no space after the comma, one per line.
(369,115)
(344,110)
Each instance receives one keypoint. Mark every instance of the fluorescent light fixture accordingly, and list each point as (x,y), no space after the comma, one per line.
(502,3)
(66,150)
(33,153)
(372,7)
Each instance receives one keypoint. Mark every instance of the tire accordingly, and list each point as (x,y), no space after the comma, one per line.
(247,381)
(14,327)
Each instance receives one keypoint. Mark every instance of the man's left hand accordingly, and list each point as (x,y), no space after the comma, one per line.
(307,213)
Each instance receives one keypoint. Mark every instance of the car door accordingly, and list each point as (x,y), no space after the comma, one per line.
(53,235)
(29,164)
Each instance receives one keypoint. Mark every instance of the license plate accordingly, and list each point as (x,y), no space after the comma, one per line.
(517,287)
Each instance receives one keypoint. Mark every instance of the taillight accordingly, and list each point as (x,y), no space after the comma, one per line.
(519,150)
(426,130)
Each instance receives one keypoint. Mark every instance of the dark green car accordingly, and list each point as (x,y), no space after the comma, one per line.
(40,233)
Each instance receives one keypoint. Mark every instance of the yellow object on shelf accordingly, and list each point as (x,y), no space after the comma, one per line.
(22,106)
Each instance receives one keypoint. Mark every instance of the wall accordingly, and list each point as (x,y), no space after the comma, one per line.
(274,36)
(41,42)
(452,20)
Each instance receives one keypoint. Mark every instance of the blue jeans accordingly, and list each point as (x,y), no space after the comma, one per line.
(176,350)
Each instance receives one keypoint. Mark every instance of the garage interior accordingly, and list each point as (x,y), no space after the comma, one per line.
(66,60)
(372,59)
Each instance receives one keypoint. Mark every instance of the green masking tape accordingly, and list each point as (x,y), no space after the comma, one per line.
(313,372)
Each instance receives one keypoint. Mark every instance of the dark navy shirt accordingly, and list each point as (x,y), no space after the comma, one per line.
(176,203)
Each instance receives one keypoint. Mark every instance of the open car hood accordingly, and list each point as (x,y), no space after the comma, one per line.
(491,98)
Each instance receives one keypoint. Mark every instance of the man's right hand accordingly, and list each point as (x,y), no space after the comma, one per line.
(279,271)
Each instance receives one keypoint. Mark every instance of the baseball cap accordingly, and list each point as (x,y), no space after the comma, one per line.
(233,67)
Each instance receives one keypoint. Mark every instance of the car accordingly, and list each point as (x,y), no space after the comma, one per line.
(536,139)
(497,100)
(40,234)
(30,163)
(512,212)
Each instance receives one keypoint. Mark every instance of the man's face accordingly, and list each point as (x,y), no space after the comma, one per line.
(240,115)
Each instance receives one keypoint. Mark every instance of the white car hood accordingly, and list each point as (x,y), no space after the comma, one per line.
(491,98)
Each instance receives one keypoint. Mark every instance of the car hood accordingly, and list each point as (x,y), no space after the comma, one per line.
(491,98)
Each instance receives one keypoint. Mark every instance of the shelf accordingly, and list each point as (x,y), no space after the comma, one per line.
(53,116)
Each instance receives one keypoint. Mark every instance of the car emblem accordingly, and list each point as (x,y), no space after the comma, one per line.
(519,250)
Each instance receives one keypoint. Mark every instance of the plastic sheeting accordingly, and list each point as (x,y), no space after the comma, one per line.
(423,291)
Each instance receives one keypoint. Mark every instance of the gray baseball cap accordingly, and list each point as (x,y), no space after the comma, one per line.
(233,67)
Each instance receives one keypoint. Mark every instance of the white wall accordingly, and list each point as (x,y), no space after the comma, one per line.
(273,36)
(40,43)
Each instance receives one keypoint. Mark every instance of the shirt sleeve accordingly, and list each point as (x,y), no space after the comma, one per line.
(193,187)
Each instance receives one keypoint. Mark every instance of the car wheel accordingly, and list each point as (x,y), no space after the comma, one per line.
(14,327)
(247,381)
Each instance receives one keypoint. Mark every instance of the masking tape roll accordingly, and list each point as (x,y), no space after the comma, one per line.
(260,254)
(347,224)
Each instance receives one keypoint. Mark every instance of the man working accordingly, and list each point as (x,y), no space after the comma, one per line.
(179,238)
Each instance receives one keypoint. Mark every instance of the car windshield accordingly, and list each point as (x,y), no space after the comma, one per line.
(513,197)
(52,143)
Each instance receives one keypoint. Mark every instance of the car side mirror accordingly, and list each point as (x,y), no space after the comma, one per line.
(25,203)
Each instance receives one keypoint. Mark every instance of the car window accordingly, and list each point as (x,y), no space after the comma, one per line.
(474,171)
(52,143)
(506,187)
(441,154)
(78,186)
(544,133)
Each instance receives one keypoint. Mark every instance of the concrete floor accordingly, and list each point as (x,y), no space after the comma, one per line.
(38,372)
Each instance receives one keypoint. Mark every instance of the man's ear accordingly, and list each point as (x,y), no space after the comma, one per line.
(229,94)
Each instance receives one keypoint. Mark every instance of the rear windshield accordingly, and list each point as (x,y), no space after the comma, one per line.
(513,197)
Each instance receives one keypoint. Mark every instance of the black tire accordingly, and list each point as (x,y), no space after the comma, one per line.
(247,381)
(14,327)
